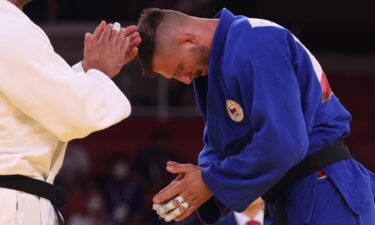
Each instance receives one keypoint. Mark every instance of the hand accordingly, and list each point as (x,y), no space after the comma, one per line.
(135,40)
(189,185)
(105,49)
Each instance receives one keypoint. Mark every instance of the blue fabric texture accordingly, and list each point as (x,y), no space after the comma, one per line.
(288,112)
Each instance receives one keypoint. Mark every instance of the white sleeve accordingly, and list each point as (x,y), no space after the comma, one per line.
(78,67)
(43,86)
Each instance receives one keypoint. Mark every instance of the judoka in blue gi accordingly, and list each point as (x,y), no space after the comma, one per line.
(273,127)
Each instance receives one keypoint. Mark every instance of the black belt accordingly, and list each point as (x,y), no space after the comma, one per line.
(331,154)
(36,187)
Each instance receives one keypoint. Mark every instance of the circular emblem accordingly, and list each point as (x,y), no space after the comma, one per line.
(234,110)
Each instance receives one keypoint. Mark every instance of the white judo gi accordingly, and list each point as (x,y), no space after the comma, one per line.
(44,103)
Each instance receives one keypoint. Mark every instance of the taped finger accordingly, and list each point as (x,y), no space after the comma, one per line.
(116,26)
(170,205)
(175,213)
(156,206)
(185,205)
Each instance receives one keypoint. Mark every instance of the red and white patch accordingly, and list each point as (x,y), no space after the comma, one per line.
(234,111)
(326,89)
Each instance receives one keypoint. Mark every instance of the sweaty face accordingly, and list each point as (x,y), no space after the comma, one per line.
(183,65)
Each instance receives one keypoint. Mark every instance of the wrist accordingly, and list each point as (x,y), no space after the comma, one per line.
(85,66)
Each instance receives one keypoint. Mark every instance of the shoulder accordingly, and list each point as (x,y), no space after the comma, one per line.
(20,35)
(249,36)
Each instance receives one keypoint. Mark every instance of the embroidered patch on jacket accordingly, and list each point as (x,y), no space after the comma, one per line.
(234,110)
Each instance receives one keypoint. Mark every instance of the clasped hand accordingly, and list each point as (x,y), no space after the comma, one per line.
(108,50)
(183,195)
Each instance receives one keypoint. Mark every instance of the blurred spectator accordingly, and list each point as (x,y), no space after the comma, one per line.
(77,180)
(253,215)
(95,213)
(123,196)
(150,164)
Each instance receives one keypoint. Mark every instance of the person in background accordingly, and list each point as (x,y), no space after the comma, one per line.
(123,196)
(149,164)
(253,215)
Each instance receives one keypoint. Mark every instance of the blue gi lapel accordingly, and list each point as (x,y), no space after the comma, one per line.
(209,94)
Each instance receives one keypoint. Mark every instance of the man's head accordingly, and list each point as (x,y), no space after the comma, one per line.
(20,3)
(174,45)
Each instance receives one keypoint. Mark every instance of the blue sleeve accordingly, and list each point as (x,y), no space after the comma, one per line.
(280,138)
(208,154)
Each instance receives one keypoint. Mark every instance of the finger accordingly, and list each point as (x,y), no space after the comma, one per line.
(155,207)
(172,163)
(180,168)
(88,41)
(106,33)
(124,45)
(174,203)
(168,188)
(131,54)
(175,213)
(134,43)
(130,29)
(116,26)
(121,38)
(188,212)
(114,36)
(167,194)
(99,30)
(133,36)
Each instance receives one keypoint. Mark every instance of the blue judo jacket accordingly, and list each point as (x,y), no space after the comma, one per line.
(267,104)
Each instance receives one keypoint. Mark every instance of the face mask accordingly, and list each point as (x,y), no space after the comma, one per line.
(94,204)
(120,171)
(120,213)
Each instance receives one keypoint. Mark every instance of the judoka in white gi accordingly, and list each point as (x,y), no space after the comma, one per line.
(45,103)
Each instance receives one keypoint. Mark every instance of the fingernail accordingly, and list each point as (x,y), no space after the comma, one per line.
(170,167)
(87,35)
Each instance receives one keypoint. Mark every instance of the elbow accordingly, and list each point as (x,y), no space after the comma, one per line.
(291,153)
(90,122)
(127,109)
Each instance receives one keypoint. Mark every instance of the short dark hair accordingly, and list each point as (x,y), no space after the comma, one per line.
(148,23)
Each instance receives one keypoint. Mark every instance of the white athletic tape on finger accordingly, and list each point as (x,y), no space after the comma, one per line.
(116,26)
(165,208)
(169,206)
(180,199)
(163,215)
(185,205)
(172,215)
(177,212)
(156,206)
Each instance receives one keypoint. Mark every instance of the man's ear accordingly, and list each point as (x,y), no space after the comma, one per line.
(187,38)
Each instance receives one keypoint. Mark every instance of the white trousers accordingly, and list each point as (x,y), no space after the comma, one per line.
(19,208)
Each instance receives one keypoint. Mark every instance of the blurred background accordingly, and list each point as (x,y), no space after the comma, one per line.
(112,175)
